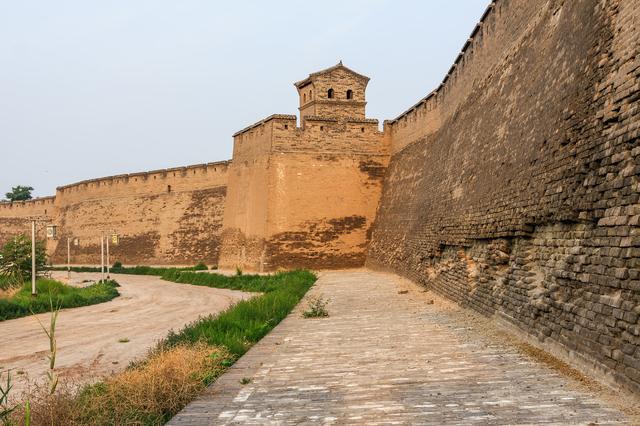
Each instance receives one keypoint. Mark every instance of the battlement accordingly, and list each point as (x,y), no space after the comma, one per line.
(279,133)
(465,53)
(34,207)
(187,178)
(264,121)
(492,39)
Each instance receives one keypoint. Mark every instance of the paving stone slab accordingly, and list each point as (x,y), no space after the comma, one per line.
(382,357)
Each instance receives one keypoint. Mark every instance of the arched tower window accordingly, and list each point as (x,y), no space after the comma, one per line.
(349,94)
(330,94)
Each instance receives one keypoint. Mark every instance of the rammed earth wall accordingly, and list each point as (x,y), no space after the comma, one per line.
(514,188)
(162,217)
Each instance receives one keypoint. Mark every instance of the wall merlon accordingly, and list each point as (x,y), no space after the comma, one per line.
(262,122)
(467,47)
(49,200)
(215,167)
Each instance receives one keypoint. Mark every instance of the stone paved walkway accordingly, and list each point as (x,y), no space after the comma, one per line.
(388,358)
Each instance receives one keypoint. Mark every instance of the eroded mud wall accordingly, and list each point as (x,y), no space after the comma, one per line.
(514,188)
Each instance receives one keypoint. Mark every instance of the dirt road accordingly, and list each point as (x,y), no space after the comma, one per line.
(94,341)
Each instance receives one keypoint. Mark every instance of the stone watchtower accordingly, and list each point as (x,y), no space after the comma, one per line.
(336,92)
(306,196)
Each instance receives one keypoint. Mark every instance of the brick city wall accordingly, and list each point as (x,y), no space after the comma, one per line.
(162,217)
(303,197)
(514,187)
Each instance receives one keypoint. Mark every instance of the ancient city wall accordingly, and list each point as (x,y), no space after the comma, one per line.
(163,217)
(514,187)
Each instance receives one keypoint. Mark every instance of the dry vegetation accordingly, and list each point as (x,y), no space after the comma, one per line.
(148,393)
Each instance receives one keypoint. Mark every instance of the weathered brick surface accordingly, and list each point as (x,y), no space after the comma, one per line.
(387,358)
(514,188)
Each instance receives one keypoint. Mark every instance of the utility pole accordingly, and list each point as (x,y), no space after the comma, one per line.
(108,263)
(68,258)
(102,257)
(33,258)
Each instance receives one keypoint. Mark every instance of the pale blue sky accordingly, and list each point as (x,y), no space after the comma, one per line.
(96,88)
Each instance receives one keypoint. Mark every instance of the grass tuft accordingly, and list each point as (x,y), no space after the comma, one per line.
(317,308)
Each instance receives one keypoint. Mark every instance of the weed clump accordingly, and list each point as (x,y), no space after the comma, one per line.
(201,267)
(317,308)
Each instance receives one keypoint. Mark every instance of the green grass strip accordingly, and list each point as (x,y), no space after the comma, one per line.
(22,303)
(246,322)
(133,270)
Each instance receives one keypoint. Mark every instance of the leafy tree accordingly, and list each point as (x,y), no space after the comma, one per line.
(19,193)
(18,252)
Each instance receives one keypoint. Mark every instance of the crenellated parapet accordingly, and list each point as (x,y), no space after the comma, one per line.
(41,206)
(187,178)
(496,37)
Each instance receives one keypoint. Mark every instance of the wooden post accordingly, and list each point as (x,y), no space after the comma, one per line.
(108,262)
(34,292)
(102,257)
(68,258)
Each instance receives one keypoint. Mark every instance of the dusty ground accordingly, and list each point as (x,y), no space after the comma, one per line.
(95,341)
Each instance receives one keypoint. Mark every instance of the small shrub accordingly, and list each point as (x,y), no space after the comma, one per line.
(10,276)
(18,251)
(201,267)
(245,381)
(238,271)
(117,265)
(317,308)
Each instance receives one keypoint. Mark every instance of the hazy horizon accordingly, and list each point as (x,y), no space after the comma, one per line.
(92,90)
